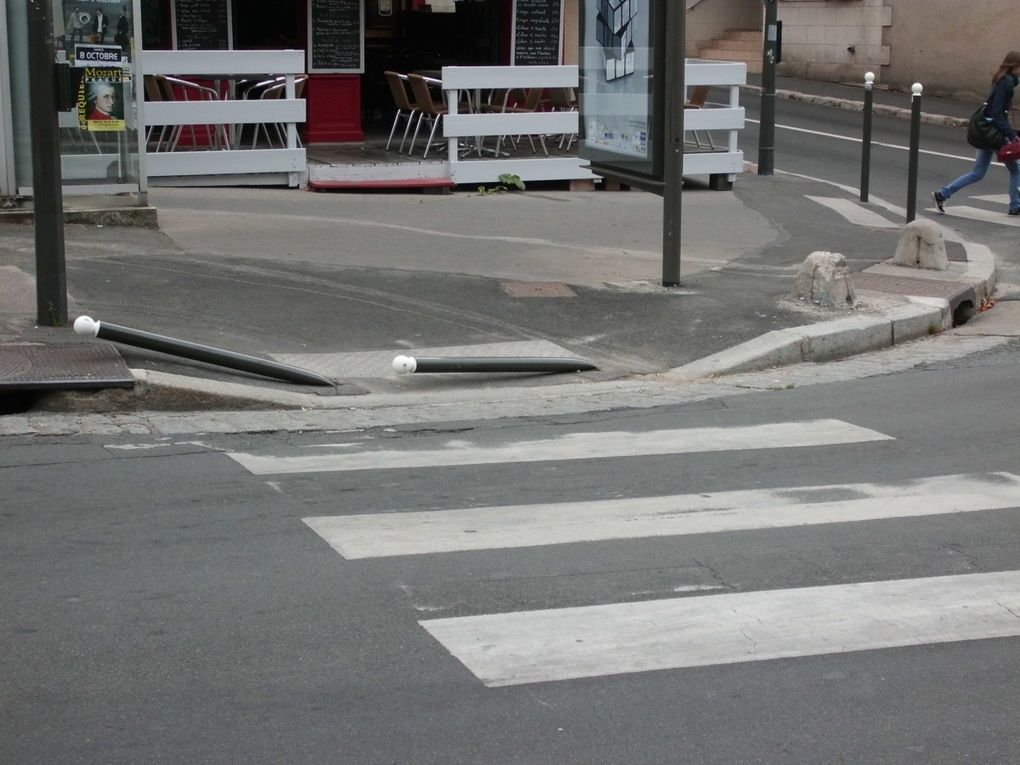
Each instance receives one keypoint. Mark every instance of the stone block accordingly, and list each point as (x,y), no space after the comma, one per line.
(922,246)
(824,278)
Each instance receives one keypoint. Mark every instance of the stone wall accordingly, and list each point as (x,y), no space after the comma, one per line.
(835,40)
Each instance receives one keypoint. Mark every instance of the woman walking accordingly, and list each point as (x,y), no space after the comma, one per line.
(999,103)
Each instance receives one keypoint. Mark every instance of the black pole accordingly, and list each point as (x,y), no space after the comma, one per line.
(84,325)
(869,83)
(412,364)
(673,167)
(770,56)
(47,199)
(915,141)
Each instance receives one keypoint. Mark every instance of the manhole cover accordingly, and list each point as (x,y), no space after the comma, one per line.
(62,367)
(537,289)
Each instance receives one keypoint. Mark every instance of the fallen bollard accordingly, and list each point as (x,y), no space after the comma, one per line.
(84,325)
(406,365)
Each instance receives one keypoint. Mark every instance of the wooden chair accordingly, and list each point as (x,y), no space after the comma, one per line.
(428,109)
(405,108)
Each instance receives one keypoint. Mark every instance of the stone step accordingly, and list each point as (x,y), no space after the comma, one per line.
(743,34)
(724,44)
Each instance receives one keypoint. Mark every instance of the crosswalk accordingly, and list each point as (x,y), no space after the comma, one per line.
(992,210)
(699,626)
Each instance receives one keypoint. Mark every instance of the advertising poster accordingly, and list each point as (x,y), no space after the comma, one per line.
(95,22)
(101,100)
(616,65)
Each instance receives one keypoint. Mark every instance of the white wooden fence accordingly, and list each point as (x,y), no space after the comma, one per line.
(490,126)
(230,163)
(460,127)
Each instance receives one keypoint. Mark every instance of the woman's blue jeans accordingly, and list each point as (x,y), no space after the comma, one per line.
(981,162)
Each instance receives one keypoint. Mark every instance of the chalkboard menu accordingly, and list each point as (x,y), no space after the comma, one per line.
(336,36)
(537,32)
(201,24)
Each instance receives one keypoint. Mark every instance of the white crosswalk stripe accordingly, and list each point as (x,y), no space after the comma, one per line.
(574,446)
(981,214)
(417,533)
(567,643)
(855,213)
(689,630)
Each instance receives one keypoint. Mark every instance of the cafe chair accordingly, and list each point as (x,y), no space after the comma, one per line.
(429,111)
(698,99)
(406,109)
(531,103)
(563,100)
(185,90)
(277,90)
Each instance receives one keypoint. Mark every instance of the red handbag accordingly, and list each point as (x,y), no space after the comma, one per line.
(1009,152)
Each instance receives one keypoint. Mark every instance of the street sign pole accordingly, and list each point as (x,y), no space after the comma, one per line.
(47,199)
(770,57)
(673,164)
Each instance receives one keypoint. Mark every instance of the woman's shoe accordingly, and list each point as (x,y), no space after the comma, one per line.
(939,199)
(1014,212)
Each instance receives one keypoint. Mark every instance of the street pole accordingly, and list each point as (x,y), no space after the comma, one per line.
(47,199)
(770,56)
(869,84)
(673,162)
(915,140)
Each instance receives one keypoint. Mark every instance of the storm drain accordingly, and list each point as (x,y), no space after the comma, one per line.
(62,367)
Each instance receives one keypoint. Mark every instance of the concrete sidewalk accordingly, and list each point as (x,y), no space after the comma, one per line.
(340,284)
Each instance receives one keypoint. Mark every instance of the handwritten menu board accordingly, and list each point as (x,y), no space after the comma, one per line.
(201,24)
(537,32)
(336,35)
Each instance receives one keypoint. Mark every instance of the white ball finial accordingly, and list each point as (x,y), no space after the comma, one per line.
(84,325)
(869,78)
(917,88)
(404,365)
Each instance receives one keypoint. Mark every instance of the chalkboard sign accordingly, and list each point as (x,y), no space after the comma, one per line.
(201,25)
(538,32)
(336,35)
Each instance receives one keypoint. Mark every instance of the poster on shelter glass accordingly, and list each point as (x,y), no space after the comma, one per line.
(616,65)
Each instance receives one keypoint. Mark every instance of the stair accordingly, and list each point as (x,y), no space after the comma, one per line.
(736,45)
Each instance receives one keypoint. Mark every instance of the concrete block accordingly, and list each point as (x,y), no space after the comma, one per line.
(773,349)
(824,278)
(923,317)
(846,337)
(922,246)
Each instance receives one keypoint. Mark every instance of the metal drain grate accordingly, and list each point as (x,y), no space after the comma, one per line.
(62,367)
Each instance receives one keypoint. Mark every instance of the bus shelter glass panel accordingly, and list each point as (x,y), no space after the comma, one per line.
(620,127)
(97,94)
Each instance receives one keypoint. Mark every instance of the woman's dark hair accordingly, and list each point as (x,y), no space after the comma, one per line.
(1011,60)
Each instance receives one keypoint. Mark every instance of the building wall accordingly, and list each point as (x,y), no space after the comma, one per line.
(949,46)
(709,19)
(836,40)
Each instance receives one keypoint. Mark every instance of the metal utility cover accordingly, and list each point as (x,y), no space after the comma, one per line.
(62,367)
(537,289)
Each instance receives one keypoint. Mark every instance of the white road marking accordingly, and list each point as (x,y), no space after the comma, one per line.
(442,531)
(572,446)
(854,213)
(977,213)
(591,641)
(852,139)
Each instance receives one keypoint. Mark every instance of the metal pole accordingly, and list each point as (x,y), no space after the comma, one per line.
(767,128)
(47,199)
(869,83)
(915,140)
(412,364)
(673,167)
(84,325)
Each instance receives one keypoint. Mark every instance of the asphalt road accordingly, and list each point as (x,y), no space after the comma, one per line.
(165,601)
(825,143)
